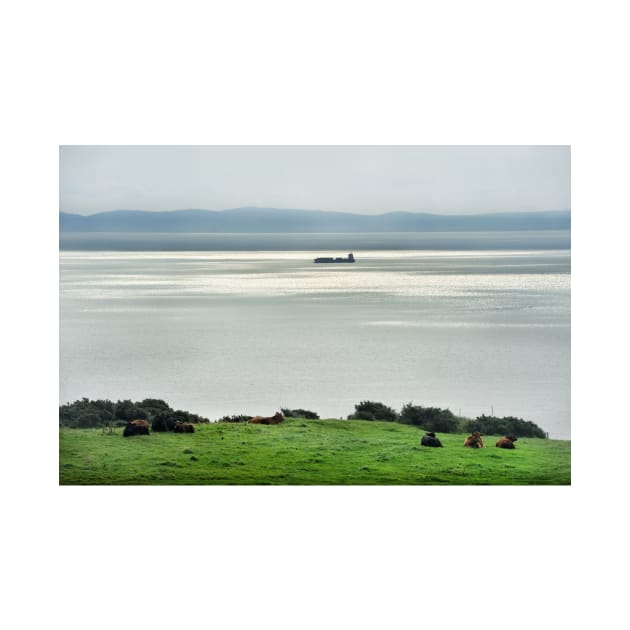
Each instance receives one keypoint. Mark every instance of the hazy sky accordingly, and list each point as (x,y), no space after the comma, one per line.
(361,179)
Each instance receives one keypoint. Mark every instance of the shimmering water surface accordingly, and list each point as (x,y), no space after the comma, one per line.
(227,332)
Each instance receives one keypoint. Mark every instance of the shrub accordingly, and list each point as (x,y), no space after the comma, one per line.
(155,407)
(369,410)
(127,410)
(89,420)
(236,418)
(186,416)
(429,418)
(86,413)
(299,413)
(163,421)
(508,425)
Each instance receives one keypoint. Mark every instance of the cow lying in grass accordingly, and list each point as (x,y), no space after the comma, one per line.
(429,439)
(275,419)
(474,440)
(136,427)
(183,427)
(507,441)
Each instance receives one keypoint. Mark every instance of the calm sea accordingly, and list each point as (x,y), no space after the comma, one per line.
(477,323)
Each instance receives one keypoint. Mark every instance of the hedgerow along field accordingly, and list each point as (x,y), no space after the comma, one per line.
(304,452)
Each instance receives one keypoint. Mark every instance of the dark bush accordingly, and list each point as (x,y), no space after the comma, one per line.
(508,425)
(127,410)
(155,407)
(369,410)
(186,416)
(299,413)
(235,418)
(89,420)
(163,422)
(86,413)
(429,418)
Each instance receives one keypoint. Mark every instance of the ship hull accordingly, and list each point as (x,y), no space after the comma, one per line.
(327,260)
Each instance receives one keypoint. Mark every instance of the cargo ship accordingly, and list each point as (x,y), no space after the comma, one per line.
(349,259)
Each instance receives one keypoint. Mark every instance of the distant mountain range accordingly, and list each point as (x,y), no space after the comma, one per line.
(273,220)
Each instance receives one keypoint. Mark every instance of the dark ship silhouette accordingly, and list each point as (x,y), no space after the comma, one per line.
(349,259)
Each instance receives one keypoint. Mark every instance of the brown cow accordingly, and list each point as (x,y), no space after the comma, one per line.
(474,440)
(140,423)
(275,419)
(136,427)
(507,441)
(183,427)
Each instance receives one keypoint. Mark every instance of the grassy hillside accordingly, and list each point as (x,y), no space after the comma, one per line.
(304,452)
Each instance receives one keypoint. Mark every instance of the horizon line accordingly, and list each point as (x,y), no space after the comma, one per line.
(481,213)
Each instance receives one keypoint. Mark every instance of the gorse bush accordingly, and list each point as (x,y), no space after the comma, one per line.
(508,425)
(430,418)
(369,410)
(235,418)
(127,410)
(187,416)
(155,407)
(86,413)
(444,421)
(299,413)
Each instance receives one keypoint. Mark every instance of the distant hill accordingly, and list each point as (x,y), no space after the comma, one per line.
(273,220)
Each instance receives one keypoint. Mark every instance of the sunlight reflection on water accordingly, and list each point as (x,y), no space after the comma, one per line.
(465,330)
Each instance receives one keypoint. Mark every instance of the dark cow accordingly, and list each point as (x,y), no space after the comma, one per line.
(474,440)
(184,427)
(429,439)
(507,441)
(277,418)
(136,427)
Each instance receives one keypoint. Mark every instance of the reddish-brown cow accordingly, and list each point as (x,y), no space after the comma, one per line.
(140,423)
(136,427)
(183,427)
(474,440)
(275,419)
(507,441)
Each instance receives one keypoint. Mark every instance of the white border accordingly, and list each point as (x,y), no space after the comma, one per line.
(342,73)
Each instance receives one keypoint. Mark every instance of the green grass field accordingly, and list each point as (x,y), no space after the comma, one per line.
(305,452)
